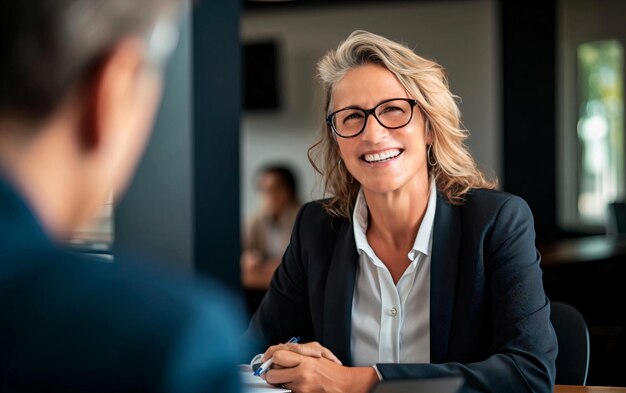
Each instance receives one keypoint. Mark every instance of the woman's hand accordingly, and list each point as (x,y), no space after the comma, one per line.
(302,373)
(312,349)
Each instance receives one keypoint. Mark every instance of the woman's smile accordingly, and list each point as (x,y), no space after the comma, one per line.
(375,158)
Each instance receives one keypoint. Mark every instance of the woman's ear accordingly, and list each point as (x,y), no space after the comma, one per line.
(428,133)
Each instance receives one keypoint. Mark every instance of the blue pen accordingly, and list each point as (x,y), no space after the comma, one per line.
(266,365)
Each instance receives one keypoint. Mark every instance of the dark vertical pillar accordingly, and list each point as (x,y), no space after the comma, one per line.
(155,217)
(529,107)
(216,113)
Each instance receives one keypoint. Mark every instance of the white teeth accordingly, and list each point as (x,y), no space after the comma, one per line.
(386,155)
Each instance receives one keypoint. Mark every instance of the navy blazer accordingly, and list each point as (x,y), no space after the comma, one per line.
(490,318)
(72,324)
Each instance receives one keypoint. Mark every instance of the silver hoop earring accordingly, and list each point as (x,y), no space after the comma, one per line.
(428,156)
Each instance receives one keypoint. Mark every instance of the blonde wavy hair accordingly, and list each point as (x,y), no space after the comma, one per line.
(453,168)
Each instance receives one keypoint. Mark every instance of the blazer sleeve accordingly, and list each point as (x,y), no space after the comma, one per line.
(285,311)
(523,347)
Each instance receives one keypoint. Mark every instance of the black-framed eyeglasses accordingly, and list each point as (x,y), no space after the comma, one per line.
(392,114)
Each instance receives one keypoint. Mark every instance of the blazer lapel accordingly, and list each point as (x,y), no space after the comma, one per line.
(338,295)
(444,265)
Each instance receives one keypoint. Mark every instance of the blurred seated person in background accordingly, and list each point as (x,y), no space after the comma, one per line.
(80,81)
(267,233)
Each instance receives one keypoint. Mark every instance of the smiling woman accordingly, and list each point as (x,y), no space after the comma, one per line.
(414,267)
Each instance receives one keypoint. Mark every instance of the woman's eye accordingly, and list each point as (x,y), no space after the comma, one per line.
(391,109)
(353,116)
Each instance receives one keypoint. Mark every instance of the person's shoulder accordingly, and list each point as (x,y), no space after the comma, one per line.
(496,205)
(316,213)
(316,227)
(139,291)
(492,199)
(177,331)
(487,196)
(150,280)
(315,207)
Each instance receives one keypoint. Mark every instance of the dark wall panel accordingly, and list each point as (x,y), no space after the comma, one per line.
(529,107)
(216,103)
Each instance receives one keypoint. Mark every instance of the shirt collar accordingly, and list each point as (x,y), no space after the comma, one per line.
(423,240)
(360,220)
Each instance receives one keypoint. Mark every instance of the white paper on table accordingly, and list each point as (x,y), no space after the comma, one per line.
(252,384)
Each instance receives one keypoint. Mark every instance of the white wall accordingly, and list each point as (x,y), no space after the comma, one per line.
(461,35)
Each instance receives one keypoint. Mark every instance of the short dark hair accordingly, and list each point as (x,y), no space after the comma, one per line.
(286,175)
(48,46)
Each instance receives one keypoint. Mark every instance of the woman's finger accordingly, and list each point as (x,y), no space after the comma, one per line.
(330,356)
(317,350)
(270,351)
(306,350)
(286,361)
(312,349)
(302,349)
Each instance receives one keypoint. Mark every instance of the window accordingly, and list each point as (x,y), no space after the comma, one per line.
(600,130)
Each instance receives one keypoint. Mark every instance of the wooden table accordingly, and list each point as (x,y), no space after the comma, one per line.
(587,389)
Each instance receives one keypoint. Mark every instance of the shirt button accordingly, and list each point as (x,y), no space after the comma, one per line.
(393,311)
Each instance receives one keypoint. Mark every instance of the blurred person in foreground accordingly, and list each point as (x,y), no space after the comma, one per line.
(80,81)
(415,267)
(267,233)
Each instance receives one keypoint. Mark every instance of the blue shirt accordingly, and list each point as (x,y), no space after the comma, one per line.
(69,323)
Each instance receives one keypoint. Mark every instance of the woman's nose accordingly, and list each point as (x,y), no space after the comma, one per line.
(374,132)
